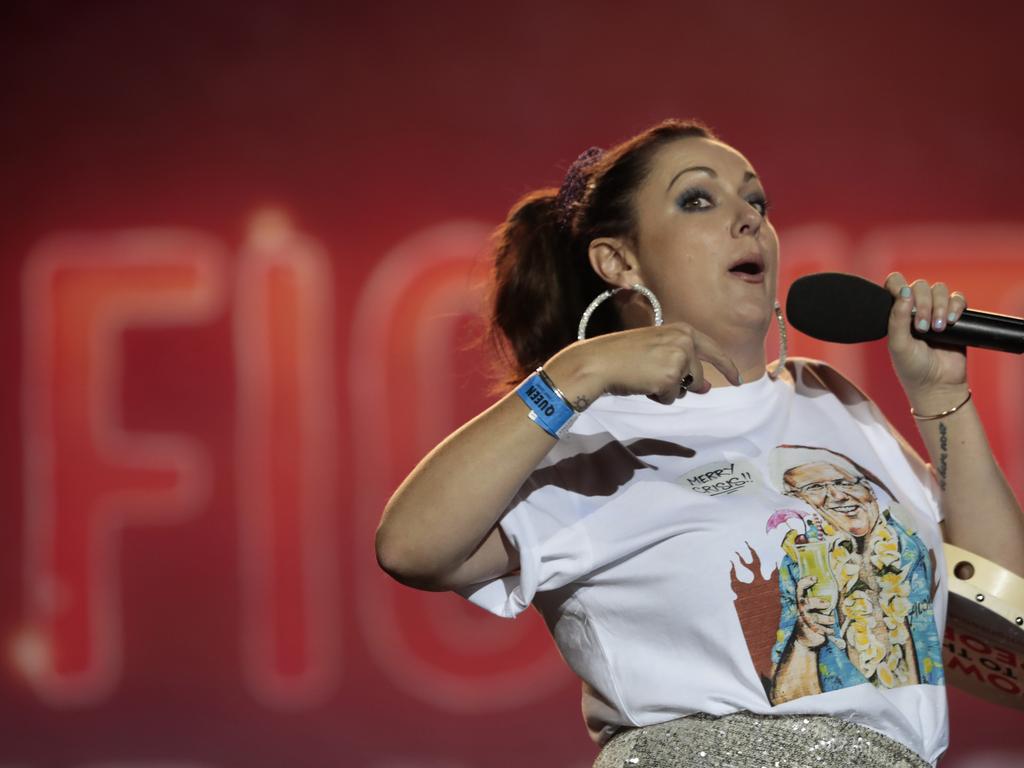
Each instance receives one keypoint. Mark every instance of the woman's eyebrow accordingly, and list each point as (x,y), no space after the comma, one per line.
(710,172)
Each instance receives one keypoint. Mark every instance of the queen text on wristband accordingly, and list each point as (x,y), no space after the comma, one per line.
(548,407)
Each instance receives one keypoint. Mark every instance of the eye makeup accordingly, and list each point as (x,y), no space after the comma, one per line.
(691,200)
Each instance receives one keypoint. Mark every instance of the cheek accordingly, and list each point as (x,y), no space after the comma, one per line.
(770,242)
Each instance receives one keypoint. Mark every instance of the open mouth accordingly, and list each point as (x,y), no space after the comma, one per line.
(750,268)
(849,510)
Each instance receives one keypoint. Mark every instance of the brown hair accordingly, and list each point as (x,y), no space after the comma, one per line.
(542,279)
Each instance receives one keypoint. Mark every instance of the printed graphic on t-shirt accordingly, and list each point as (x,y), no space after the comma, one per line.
(723,478)
(850,601)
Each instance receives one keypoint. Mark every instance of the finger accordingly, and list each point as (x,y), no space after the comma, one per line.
(957,305)
(900,317)
(696,370)
(673,360)
(706,348)
(663,398)
(816,604)
(690,364)
(668,393)
(940,307)
(804,584)
(813,628)
(923,303)
(817,627)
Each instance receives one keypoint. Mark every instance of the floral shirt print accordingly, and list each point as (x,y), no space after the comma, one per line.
(908,651)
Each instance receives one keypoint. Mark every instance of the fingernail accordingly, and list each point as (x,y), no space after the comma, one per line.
(952,317)
(922,324)
(905,292)
(740,377)
(939,324)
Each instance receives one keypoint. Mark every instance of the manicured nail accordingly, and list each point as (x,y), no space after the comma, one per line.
(952,317)
(922,325)
(740,377)
(939,324)
(905,292)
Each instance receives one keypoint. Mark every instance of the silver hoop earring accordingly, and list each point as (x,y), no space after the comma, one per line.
(646,292)
(782,341)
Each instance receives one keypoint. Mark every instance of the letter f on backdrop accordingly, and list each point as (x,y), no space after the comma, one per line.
(86,478)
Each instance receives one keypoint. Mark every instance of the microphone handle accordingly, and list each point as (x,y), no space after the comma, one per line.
(980,329)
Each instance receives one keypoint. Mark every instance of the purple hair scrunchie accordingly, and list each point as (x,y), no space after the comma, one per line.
(574,185)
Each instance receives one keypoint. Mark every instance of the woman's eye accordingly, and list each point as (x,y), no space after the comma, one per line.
(694,200)
(761,204)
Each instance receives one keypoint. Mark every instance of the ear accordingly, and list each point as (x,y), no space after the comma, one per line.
(614,261)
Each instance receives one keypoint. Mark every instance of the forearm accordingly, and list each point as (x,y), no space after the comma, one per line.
(454,497)
(982,515)
(797,674)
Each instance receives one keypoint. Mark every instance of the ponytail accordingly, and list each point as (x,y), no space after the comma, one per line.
(542,279)
(541,285)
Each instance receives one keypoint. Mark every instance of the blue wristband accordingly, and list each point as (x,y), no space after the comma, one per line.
(550,412)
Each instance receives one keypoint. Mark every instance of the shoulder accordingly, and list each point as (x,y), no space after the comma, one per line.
(816,377)
(813,378)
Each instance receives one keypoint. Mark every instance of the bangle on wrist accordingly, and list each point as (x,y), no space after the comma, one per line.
(954,409)
(549,408)
(550,383)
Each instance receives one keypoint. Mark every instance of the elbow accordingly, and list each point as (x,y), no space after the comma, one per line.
(401,563)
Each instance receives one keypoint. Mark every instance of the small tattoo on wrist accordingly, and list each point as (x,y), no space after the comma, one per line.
(580,403)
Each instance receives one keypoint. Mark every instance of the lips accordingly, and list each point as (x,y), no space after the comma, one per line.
(749,268)
(846,509)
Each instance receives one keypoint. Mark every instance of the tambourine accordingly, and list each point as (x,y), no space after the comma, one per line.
(983,649)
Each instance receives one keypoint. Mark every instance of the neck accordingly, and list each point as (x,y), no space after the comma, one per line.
(751,367)
(743,343)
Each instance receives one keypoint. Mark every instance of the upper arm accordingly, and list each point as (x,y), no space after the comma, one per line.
(494,557)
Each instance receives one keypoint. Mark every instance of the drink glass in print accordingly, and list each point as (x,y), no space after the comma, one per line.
(812,557)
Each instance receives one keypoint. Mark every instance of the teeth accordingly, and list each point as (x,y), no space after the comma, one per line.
(846,510)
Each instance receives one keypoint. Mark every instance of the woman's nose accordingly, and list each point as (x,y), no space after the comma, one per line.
(747,220)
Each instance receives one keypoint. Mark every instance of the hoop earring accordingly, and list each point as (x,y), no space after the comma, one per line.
(646,292)
(781,321)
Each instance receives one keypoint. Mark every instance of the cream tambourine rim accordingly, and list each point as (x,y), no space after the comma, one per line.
(986,583)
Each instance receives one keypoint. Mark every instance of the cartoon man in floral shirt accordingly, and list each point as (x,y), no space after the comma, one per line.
(855,585)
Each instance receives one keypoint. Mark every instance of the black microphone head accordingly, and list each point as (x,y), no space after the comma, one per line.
(832,306)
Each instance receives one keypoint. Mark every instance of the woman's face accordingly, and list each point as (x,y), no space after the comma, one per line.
(701,217)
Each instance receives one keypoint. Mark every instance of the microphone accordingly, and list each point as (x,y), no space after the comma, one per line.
(848,309)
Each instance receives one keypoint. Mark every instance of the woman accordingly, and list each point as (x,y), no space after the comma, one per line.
(625,490)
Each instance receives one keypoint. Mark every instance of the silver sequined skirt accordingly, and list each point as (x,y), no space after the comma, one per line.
(746,740)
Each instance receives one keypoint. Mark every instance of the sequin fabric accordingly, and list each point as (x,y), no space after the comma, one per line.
(746,740)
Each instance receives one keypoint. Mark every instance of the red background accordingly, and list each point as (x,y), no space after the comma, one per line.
(888,136)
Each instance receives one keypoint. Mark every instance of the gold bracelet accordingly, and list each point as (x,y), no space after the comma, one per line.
(954,409)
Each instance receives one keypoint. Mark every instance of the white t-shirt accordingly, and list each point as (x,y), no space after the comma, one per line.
(667,547)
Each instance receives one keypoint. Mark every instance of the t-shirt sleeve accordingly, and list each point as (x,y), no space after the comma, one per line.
(887,439)
(927,486)
(546,523)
